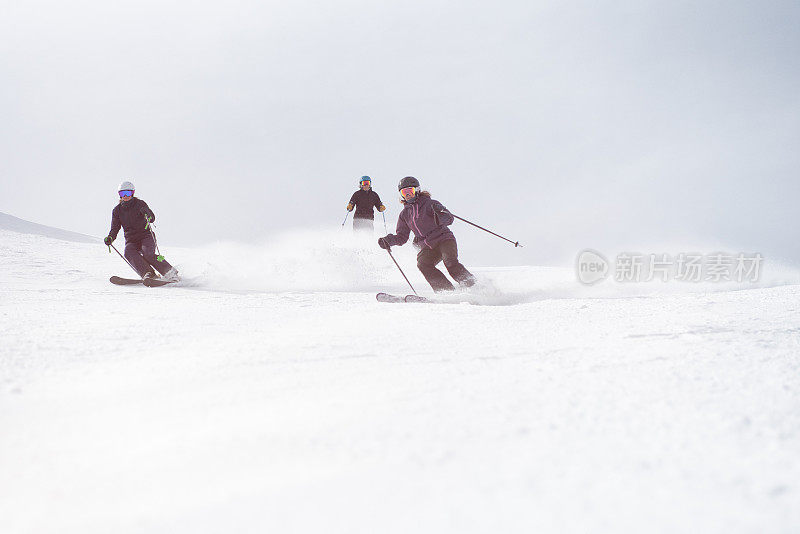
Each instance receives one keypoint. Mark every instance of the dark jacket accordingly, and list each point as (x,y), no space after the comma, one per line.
(365,201)
(429,221)
(130,216)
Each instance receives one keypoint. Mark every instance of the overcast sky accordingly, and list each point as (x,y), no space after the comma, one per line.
(562,124)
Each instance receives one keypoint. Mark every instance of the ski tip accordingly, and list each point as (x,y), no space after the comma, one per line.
(386,297)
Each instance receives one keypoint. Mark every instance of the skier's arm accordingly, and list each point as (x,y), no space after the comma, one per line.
(378,204)
(352,202)
(147,212)
(116,224)
(402,234)
(442,215)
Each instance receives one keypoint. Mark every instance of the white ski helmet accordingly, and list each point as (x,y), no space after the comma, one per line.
(126,186)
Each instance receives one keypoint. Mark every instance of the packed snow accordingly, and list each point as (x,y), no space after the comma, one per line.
(270,392)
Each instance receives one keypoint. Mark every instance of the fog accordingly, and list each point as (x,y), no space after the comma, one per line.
(653,126)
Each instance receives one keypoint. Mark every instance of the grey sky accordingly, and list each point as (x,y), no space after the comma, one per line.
(563,124)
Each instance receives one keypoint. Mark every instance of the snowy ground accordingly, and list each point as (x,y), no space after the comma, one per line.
(272,393)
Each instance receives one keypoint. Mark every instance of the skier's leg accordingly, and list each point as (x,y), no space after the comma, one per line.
(460,274)
(362,225)
(149,253)
(133,253)
(426,263)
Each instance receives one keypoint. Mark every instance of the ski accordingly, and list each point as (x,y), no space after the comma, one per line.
(118,280)
(149,282)
(386,297)
(157,282)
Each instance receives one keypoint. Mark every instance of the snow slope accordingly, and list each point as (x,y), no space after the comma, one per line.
(9,222)
(272,393)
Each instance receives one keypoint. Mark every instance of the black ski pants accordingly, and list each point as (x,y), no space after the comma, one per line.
(142,255)
(428,258)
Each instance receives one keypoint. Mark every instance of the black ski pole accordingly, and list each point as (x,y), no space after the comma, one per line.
(515,243)
(389,250)
(345,218)
(123,257)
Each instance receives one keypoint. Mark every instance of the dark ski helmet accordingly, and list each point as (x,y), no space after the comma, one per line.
(408,181)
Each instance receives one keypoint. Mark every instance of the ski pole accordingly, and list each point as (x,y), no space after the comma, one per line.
(123,257)
(515,243)
(401,271)
(345,218)
(384,222)
(150,227)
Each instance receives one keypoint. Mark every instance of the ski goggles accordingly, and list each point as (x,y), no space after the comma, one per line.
(365,182)
(408,192)
(126,193)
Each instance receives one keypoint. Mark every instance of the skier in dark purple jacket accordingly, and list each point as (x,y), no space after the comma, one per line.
(134,216)
(429,220)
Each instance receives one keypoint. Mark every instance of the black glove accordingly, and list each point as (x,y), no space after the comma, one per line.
(108,240)
(383,243)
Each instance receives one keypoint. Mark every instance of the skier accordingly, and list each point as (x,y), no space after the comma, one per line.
(429,220)
(364,200)
(135,216)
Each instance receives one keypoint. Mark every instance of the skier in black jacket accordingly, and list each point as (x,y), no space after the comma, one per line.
(134,216)
(364,200)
